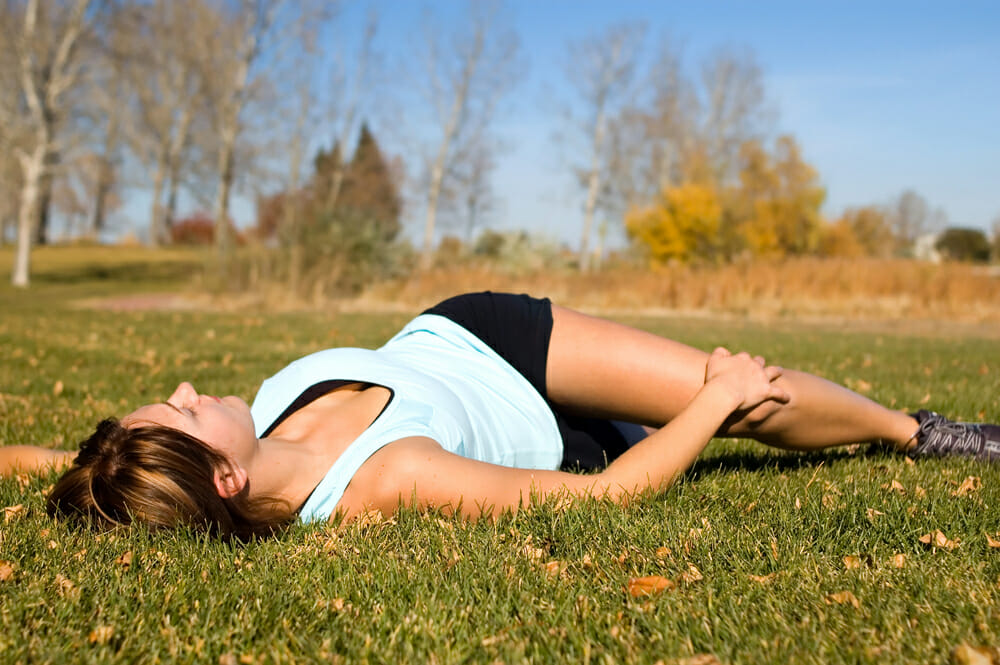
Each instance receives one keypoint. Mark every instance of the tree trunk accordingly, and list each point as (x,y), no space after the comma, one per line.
(177,144)
(33,168)
(156,230)
(223,241)
(593,187)
(43,207)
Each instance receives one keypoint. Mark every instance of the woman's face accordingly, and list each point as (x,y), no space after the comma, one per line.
(225,423)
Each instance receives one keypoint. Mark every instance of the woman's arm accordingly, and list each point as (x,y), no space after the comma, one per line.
(417,471)
(32,459)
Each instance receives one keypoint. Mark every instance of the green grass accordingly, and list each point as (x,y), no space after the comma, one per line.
(769,532)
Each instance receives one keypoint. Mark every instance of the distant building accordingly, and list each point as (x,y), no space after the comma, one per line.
(925,247)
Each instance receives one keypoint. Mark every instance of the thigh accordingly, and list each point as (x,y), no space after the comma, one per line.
(604,369)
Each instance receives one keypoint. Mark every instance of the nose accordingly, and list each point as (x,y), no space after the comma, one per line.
(184,395)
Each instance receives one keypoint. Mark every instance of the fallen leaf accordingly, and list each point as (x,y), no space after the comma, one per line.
(227,659)
(897,486)
(553,568)
(57,389)
(763,579)
(968,486)
(700,659)
(125,560)
(13,512)
(691,575)
(648,586)
(965,654)
(919,491)
(101,635)
(992,543)
(6,570)
(64,584)
(852,562)
(533,552)
(983,369)
(898,560)
(871,513)
(926,398)
(662,552)
(938,539)
(843,598)
(247,659)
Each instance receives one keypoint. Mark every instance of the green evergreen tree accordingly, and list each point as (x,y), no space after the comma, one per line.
(369,191)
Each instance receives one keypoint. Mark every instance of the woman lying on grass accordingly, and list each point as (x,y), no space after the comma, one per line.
(483,404)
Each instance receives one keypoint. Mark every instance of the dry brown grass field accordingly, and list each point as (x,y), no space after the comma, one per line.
(865,289)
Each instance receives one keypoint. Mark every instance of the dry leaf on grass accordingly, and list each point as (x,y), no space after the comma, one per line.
(991,542)
(227,659)
(554,568)
(648,586)
(6,570)
(763,579)
(938,539)
(852,562)
(13,512)
(898,560)
(125,560)
(965,654)
(843,598)
(64,585)
(691,575)
(662,552)
(871,513)
(968,486)
(101,635)
(700,659)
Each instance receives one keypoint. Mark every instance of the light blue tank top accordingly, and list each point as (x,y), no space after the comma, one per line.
(446,384)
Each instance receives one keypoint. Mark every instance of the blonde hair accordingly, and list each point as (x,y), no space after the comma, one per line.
(163,478)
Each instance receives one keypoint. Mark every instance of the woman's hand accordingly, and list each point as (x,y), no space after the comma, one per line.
(749,380)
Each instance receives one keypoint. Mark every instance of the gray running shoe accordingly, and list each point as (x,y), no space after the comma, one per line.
(939,436)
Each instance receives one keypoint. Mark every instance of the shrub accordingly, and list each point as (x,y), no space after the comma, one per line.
(964,245)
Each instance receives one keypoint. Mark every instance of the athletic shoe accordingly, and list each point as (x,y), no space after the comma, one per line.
(939,436)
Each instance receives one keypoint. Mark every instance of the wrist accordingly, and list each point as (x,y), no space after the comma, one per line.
(723,395)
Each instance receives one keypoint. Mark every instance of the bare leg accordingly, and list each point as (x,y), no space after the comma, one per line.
(603,368)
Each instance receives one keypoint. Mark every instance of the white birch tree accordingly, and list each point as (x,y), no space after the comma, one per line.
(46,42)
(464,83)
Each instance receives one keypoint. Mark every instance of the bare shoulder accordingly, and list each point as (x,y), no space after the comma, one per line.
(379,481)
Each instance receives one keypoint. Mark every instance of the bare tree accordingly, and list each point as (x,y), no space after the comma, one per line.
(243,30)
(345,109)
(601,69)
(910,217)
(161,47)
(734,110)
(46,40)
(464,85)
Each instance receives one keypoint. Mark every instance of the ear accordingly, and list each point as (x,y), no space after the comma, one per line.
(230,481)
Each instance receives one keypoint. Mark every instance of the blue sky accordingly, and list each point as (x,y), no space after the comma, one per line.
(882,96)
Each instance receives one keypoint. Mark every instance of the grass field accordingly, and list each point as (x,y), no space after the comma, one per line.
(774,557)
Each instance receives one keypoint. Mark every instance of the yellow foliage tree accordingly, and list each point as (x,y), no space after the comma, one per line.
(682,225)
(776,207)
(838,239)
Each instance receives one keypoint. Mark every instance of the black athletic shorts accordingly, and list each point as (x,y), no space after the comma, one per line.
(518,328)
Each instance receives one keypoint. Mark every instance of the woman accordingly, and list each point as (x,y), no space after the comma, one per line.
(483,404)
